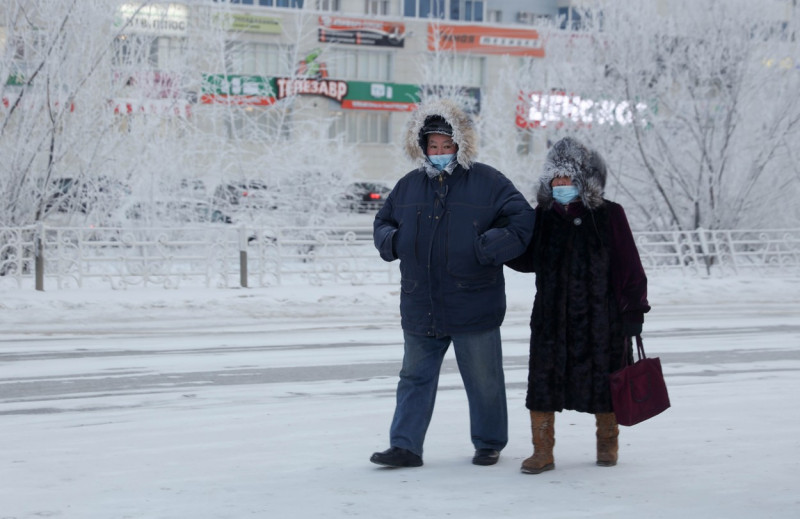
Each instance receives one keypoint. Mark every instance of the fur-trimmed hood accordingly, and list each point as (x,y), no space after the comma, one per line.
(587,169)
(464,134)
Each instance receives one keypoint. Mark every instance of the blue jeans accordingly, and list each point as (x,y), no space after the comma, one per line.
(480,362)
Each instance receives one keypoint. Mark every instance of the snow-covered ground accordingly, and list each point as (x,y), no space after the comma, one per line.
(232,403)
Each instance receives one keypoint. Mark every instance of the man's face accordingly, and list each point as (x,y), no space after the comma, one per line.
(439,144)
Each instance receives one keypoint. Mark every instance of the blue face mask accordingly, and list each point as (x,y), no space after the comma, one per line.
(565,194)
(440,161)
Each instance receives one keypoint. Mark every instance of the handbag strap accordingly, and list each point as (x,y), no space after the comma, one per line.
(626,351)
(640,348)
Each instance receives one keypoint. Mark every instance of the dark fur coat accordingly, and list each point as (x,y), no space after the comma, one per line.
(589,280)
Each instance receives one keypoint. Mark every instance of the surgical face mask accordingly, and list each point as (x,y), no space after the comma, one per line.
(440,161)
(565,194)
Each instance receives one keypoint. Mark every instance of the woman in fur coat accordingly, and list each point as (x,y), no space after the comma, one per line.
(591,292)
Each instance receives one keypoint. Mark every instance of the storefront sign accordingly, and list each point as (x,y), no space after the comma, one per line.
(485,40)
(357,31)
(540,110)
(394,97)
(353,95)
(333,89)
(17,79)
(166,19)
(250,23)
(237,90)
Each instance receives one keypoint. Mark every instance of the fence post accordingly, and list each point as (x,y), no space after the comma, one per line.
(242,257)
(708,259)
(38,255)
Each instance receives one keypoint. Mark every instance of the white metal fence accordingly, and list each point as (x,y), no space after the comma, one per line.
(223,256)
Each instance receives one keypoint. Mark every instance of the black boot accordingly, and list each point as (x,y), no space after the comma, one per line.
(396,457)
(485,457)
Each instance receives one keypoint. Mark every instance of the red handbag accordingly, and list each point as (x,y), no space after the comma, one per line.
(638,390)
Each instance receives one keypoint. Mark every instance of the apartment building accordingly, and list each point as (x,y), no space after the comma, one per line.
(358,65)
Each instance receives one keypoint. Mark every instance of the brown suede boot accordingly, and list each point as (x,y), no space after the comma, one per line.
(607,439)
(542,427)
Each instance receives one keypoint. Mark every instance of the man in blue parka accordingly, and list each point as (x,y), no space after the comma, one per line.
(452,222)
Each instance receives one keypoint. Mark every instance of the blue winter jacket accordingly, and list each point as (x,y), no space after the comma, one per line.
(452,234)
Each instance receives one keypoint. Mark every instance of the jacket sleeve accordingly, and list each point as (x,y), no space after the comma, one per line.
(512,229)
(525,261)
(383,230)
(627,274)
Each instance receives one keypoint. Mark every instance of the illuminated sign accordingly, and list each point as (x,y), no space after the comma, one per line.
(538,110)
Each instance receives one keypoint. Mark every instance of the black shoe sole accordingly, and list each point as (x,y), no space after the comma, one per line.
(378,461)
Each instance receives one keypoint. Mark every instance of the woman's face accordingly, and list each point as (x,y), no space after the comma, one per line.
(561,181)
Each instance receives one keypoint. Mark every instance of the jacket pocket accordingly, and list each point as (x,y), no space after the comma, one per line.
(477,283)
(408,286)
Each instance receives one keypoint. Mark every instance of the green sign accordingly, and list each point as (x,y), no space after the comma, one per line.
(251,23)
(373,95)
(16,79)
(220,88)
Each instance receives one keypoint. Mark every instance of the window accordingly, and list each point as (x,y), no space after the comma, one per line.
(362,127)
(360,65)
(494,16)
(466,10)
(256,58)
(328,5)
(377,7)
(158,52)
(424,8)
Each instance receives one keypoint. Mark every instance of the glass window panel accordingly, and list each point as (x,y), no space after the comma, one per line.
(438,9)
(424,8)
(410,8)
(478,14)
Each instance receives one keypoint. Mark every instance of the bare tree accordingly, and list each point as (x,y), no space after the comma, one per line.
(704,107)
(56,130)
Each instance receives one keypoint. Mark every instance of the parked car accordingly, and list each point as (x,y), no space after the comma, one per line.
(245,194)
(61,196)
(73,195)
(363,196)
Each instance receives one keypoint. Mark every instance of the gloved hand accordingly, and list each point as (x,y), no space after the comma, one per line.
(631,329)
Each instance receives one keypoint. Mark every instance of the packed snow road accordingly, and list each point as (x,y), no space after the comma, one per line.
(55,369)
(223,404)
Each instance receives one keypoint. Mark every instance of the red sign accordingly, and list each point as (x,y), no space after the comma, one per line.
(357,31)
(485,40)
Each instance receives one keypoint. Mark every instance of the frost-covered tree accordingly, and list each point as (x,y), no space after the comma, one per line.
(55,125)
(704,116)
(102,120)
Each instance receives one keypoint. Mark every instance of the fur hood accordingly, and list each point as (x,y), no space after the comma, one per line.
(464,134)
(587,169)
